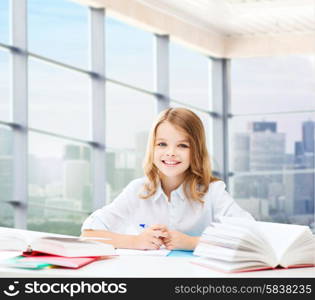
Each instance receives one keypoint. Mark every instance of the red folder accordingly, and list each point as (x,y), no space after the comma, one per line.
(61,261)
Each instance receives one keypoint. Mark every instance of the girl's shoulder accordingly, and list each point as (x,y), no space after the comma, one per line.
(215,187)
(217,184)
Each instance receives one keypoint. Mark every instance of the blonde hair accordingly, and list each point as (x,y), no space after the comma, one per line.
(199,174)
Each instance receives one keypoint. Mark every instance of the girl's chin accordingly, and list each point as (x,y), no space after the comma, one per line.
(171,173)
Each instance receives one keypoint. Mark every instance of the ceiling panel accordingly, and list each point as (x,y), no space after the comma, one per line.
(242,17)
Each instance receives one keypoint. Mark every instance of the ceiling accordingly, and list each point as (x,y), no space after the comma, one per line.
(223,28)
(242,18)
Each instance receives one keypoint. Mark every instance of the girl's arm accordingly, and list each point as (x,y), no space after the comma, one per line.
(150,238)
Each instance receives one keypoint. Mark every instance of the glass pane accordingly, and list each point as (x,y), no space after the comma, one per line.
(62,221)
(6,215)
(59,100)
(273,84)
(129,53)
(6,177)
(60,185)
(269,142)
(4,86)
(127,132)
(284,197)
(58,29)
(189,77)
(273,163)
(4,21)
(208,125)
(6,163)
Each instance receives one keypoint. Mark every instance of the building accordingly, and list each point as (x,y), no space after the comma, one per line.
(308,134)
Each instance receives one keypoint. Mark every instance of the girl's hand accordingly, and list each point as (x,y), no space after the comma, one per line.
(180,241)
(150,238)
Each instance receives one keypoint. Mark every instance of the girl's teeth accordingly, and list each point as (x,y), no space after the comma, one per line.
(170,162)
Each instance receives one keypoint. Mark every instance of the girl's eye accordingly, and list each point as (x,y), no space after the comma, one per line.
(183,146)
(161,144)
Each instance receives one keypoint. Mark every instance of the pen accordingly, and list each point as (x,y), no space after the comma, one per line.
(143,226)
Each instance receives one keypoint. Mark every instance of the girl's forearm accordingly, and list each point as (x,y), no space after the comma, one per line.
(116,239)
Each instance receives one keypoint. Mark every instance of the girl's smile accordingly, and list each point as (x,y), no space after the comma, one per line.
(171,163)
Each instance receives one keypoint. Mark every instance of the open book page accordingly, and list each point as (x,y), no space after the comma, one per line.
(301,251)
(281,238)
(20,239)
(235,234)
(229,266)
(58,244)
(16,239)
(72,246)
(230,255)
(243,239)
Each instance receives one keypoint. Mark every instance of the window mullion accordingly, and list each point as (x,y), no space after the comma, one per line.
(161,71)
(97,63)
(19,100)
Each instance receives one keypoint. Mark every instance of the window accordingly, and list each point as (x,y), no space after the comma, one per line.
(4,21)
(6,176)
(126,136)
(58,29)
(4,86)
(272,137)
(129,54)
(6,215)
(60,185)
(272,84)
(189,77)
(59,100)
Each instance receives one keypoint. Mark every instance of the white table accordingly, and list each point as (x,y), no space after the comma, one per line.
(148,266)
(143,266)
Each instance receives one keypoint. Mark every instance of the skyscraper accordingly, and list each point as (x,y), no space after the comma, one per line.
(76,174)
(308,135)
(241,148)
(267,149)
(299,157)
(304,179)
(260,149)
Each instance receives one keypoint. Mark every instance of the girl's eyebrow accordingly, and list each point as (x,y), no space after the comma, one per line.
(180,141)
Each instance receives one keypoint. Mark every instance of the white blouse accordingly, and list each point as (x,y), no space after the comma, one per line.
(128,210)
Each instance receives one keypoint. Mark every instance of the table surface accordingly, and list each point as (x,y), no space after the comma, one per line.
(125,266)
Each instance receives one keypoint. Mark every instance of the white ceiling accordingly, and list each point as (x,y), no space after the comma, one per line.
(242,18)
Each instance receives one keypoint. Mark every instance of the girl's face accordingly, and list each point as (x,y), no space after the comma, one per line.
(171,151)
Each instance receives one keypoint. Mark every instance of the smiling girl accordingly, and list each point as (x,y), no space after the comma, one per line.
(178,197)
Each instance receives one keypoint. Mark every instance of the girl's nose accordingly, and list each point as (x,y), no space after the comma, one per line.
(170,151)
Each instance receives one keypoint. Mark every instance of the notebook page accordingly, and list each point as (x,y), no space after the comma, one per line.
(160,252)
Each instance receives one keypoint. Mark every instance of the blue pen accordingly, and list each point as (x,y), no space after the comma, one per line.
(143,226)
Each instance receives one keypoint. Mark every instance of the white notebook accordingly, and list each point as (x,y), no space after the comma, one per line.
(127,252)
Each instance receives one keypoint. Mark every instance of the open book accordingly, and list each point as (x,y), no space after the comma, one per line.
(238,245)
(61,245)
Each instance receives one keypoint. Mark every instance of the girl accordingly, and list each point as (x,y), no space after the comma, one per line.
(177,199)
